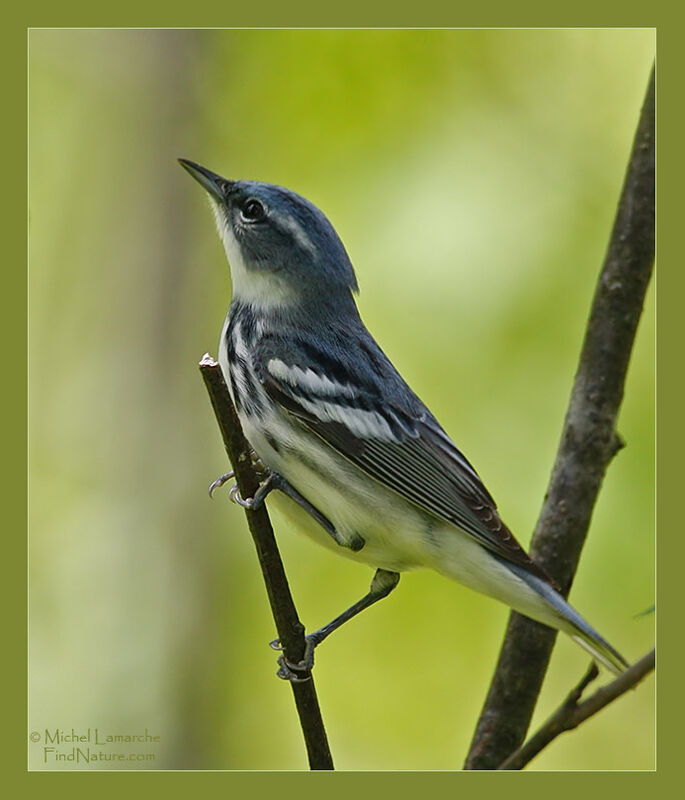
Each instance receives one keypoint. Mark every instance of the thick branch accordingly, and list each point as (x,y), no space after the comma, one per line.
(571,713)
(290,629)
(588,443)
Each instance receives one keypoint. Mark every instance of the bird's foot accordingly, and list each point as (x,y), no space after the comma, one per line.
(266,478)
(248,502)
(288,672)
(296,672)
(220,481)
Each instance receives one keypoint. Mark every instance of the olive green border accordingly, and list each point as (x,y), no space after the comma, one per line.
(199,14)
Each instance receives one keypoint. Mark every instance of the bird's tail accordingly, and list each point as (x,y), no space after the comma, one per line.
(572,623)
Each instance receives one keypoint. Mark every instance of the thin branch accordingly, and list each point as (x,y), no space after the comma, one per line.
(571,713)
(290,629)
(588,443)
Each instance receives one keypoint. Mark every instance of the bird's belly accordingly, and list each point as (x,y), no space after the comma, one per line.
(397,536)
(383,547)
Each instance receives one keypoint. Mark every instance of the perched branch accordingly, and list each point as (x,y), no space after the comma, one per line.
(571,713)
(290,629)
(588,443)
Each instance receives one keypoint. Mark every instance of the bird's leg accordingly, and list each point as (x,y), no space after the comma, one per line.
(355,542)
(384,581)
(275,481)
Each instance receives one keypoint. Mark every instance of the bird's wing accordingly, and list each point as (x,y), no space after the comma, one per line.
(401,445)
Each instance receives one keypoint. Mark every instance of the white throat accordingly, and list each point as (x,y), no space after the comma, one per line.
(261,290)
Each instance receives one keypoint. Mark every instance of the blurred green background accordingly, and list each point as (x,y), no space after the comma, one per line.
(473,176)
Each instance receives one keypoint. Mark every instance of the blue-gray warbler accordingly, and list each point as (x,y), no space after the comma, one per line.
(356,459)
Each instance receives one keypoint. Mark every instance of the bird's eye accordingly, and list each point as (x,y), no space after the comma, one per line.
(253,211)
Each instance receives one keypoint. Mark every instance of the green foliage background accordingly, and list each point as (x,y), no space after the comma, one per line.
(473,176)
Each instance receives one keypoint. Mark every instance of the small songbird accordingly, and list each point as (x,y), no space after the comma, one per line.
(356,459)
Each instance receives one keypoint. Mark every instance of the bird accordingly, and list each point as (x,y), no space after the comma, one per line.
(349,452)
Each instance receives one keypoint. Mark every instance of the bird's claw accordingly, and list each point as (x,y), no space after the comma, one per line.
(234,496)
(268,481)
(233,492)
(291,671)
(220,481)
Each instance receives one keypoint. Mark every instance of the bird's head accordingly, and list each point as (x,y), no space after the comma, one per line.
(281,249)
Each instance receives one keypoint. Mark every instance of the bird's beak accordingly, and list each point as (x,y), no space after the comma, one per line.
(210,181)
